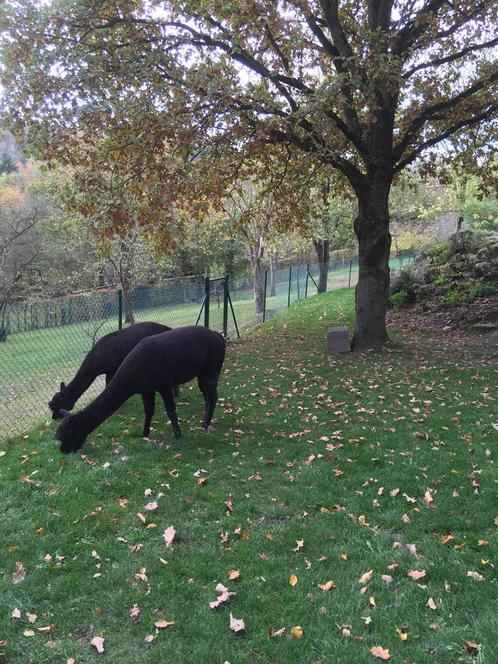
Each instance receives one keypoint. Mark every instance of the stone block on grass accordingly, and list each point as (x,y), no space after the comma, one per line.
(338,340)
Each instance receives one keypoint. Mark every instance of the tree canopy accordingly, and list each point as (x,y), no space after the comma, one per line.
(186,91)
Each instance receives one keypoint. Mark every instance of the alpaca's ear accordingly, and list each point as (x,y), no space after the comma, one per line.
(63,386)
(64,413)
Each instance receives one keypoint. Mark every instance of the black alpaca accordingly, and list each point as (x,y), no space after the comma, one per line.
(104,358)
(156,364)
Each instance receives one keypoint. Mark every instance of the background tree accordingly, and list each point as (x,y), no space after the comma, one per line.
(364,86)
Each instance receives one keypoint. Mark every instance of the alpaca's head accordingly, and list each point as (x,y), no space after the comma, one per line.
(70,435)
(58,401)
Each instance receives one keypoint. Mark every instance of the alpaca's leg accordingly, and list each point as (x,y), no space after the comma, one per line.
(201,382)
(149,399)
(176,390)
(211,386)
(169,402)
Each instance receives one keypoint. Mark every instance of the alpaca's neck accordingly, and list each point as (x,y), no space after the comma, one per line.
(103,406)
(81,382)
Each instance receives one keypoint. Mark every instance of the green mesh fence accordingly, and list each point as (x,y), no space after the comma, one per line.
(43,343)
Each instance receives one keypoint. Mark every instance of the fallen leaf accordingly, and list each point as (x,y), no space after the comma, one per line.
(28,632)
(233,574)
(326,586)
(428,499)
(386,578)
(150,507)
(135,612)
(365,578)
(293,580)
(162,624)
(299,546)
(380,652)
(169,536)
(394,492)
(31,617)
(70,660)
(431,604)
(19,574)
(471,648)
(403,635)
(16,614)
(223,596)
(297,632)
(446,538)
(371,601)
(237,625)
(278,632)
(416,574)
(98,643)
(476,576)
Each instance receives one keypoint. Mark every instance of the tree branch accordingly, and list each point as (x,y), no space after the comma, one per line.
(468,122)
(450,58)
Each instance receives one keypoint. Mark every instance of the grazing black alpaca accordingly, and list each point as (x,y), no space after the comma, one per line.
(156,364)
(104,358)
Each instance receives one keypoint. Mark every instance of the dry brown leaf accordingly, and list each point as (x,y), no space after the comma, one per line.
(70,660)
(293,580)
(135,612)
(380,652)
(299,546)
(16,614)
(233,574)
(31,617)
(237,625)
(28,632)
(394,492)
(162,624)
(150,507)
(416,574)
(386,578)
(476,576)
(297,632)
(431,604)
(98,643)
(365,578)
(326,586)
(372,601)
(19,573)
(46,629)
(446,538)
(274,633)
(169,536)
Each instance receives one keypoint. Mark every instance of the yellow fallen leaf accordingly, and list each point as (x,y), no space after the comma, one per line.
(28,632)
(297,632)
(431,604)
(446,538)
(403,635)
(380,652)
(365,578)
(293,580)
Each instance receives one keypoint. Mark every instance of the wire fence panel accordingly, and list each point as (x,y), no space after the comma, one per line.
(44,342)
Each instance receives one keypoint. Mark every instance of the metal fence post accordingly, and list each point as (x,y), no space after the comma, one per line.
(350,267)
(306,280)
(207,292)
(264,296)
(225,306)
(290,284)
(120,309)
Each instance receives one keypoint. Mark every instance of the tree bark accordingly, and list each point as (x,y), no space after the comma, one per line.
(273,273)
(256,256)
(322,248)
(374,245)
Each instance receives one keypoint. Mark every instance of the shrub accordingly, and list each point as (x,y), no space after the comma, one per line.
(405,282)
(464,242)
(399,299)
(482,289)
(439,252)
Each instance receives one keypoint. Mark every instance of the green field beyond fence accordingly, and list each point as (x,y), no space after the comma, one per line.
(47,341)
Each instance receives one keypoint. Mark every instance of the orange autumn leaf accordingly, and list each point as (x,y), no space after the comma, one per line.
(293,580)
(380,652)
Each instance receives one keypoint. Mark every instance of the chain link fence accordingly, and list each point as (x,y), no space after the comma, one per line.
(43,343)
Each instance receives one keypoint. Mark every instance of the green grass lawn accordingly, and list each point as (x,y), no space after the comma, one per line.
(379,464)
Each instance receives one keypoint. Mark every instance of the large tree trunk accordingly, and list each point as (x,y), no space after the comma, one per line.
(374,244)
(322,248)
